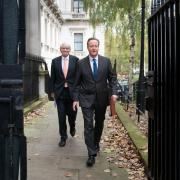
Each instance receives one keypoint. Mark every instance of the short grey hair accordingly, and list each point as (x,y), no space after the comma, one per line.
(65,45)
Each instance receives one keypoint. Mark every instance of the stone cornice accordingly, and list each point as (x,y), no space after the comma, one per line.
(53,7)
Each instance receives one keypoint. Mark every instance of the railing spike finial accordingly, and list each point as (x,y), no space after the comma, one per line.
(155,5)
(152,6)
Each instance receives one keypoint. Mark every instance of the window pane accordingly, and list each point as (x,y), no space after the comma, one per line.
(78,6)
(78,47)
(78,41)
(75,4)
(78,37)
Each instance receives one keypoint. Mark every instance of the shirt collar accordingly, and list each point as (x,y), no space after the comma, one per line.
(91,59)
(64,58)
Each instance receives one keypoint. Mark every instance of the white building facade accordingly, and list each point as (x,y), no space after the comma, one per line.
(51,24)
(66,21)
(76,28)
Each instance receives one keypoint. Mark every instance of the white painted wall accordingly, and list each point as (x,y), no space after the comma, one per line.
(53,33)
(78,23)
(50,34)
(67,35)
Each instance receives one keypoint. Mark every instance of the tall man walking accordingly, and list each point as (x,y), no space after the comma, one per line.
(63,70)
(94,77)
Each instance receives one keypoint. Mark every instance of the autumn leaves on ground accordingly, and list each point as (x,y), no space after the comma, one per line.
(115,143)
(121,151)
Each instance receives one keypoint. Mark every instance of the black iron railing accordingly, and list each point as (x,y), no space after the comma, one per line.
(32,66)
(163,90)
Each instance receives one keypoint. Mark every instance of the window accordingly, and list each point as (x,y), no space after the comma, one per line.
(78,42)
(78,6)
(45,29)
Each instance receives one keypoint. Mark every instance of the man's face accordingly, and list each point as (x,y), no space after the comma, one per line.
(93,48)
(65,51)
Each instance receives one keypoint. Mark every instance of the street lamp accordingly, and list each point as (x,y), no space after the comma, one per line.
(141,83)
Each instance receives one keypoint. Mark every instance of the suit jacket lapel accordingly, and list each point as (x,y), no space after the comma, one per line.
(100,66)
(89,66)
(69,65)
(59,64)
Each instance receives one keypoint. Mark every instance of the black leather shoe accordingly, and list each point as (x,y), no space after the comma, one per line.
(72,131)
(62,143)
(91,161)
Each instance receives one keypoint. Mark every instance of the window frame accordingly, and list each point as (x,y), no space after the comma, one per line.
(78,43)
(79,8)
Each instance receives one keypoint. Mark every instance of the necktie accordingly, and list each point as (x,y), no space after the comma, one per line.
(65,68)
(94,69)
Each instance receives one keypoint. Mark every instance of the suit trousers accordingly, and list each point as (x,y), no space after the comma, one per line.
(93,126)
(64,108)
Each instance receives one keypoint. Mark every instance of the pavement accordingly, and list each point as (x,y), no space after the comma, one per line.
(48,161)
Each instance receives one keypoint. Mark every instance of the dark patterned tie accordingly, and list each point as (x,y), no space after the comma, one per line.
(94,69)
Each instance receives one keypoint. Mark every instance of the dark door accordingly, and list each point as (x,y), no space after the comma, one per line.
(12,53)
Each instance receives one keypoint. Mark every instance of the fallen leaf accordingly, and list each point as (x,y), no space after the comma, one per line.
(107,170)
(114,174)
(88,175)
(36,154)
(68,174)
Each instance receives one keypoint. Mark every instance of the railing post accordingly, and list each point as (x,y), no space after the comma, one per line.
(141,84)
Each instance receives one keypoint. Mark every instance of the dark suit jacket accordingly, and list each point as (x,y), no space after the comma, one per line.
(57,76)
(87,90)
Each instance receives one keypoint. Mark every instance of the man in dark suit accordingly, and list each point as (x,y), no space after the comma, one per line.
(94,77)
(63,70)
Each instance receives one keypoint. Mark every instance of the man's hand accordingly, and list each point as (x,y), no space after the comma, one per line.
(75,105)
(114,98)
(52,95)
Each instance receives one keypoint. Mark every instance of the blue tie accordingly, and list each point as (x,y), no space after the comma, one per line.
(94,69)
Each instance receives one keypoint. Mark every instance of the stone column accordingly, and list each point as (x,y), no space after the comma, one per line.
(33,27)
